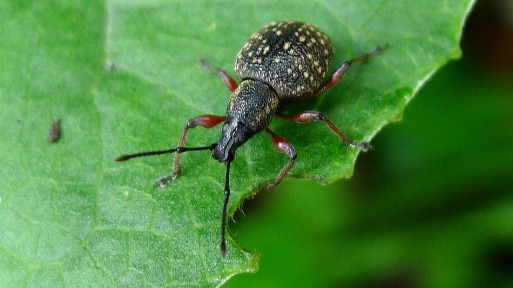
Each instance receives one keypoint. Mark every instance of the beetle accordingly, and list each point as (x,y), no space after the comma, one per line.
(281,65)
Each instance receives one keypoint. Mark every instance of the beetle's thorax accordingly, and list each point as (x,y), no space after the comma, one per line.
(250,110)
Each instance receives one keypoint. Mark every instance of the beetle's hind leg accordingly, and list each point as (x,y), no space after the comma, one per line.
(309,116)
(337,75)
(228,81)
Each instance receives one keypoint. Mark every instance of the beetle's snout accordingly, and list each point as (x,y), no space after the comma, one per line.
(222,154)
(234,134)
(226,146)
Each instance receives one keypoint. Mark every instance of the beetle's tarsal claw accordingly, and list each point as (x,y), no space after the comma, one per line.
(164,180)
(364,146)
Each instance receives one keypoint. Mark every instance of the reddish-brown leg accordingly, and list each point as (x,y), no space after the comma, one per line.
(283,146)
(228,81)
(339,73)
(309,116)
(206,121)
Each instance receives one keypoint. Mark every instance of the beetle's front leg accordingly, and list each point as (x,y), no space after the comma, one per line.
(206,121)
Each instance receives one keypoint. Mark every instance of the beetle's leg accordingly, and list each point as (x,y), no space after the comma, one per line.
(309,116)
(228,81)
(283,146)
(207,121)
(341,70)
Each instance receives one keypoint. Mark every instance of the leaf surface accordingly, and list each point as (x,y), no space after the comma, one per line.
(122,77)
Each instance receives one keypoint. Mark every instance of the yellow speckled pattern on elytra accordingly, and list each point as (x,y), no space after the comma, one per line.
(292,57)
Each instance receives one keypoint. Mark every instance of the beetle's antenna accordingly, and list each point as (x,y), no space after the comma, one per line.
(159,152)
(223,217)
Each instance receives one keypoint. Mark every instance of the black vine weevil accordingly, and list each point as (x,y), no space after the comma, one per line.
(281,65)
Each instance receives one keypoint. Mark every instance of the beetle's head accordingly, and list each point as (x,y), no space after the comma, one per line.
(250,110)
(234,134)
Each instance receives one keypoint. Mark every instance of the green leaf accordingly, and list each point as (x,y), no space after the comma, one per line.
(435,213)
(122,77)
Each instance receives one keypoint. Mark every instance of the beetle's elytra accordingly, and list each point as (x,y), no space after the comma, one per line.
(292,57)
(281,65)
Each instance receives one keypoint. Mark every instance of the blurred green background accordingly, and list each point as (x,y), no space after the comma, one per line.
(430,206)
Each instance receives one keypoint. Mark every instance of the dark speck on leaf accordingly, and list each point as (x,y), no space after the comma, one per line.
(55,131)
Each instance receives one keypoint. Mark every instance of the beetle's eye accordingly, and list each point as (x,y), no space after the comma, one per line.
(241,124)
